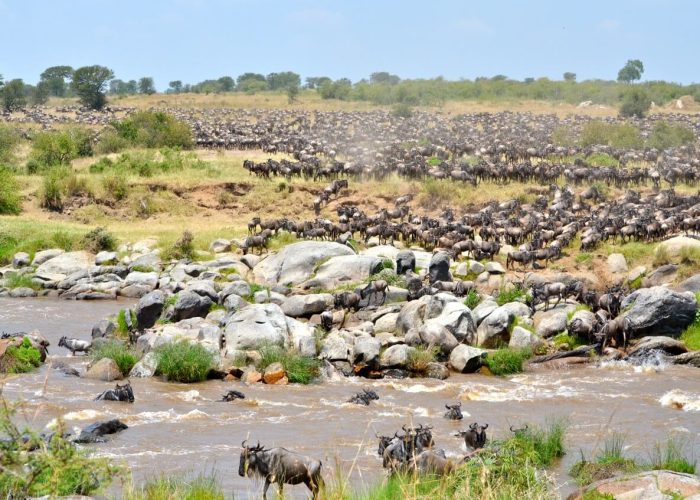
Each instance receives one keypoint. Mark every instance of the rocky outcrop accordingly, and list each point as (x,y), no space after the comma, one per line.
(466,359)
(344,269)
(298,306)
(439,269)
(655,484)
(149,309)
(659,311)
(105,370)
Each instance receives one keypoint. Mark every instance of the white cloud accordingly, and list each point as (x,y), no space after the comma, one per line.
(609,25)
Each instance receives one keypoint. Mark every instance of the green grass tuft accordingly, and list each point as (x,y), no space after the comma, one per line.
(171,488)
(420,356)
(124,356)
(184,362)
(16,280)
(507,361)
(671,456)
(20,359)
(299,369)
(473,299)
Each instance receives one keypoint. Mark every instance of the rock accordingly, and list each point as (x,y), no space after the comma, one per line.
(674,246)
(203,289)
(587,318)
(692,284)
(517,309)
(296,263)
(659,311)
(302,337)
(66,263)
(239,287)
(476,267)
(553,321)
(22,292)
(520,338)
(196,330)
(44,255)
(458,319)
(466,359)
(649,345)
(146,366)
(617,263)
(439,269)
(20,259)
(220,246)
(386,323)
(461,270)
(298,306)
(344,269)
(254,325)
(145,245)
(251,376)
(335,348)
(149,280)
(149,308)
(494,268)
(103,328)
(396,356)
(661,276)
(689,358)
(105,258)
(234,303)
(483,309)
(493,330)
(135,291)
(411,315)
(191,305)
(435,335)
(649,485)
(273,373)
(636,273)
(437,371)
(395,294)
(105,369)
(405,261)
(366,351)
(149,261)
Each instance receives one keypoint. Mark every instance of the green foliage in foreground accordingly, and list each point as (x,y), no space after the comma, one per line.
(154,129)
(57,468)
(691,336)
(10,201)
(299,369)
(184,362)
(507,361)
(124,356)
(20,359)
(175,488)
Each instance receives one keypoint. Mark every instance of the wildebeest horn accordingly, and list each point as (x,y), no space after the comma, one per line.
(448,407)
(485,426)
(473,426)
(243,443)
(512,430)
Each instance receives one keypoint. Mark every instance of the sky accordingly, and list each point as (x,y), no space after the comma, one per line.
(194,40)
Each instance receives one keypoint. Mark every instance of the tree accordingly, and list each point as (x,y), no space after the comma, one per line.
(55,79)
(40,93)
(175,87)
(529,80)
(226,83)
(292,93)
(132,87)
(283,80)
(118,87)
(89,83)
(244,81)
(635,102)
(314,82)
(13,95)
(146,86)
(569,77)
(383,77)
(631,71)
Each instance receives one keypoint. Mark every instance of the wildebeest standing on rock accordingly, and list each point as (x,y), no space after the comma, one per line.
(280,466)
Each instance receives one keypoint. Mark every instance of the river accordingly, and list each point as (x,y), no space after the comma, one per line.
(181,429)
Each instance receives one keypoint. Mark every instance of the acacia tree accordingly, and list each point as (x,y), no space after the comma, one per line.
(13,97)
(175,87)
(569,76)
(89,83)
(631,71)
(54,79)
(146,86)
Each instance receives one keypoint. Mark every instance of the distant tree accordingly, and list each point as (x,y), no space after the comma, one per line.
(314,82)
(499,78)
(283,80)
(569,77)
(339,89)
(89,83)
(55,78)
(529,80)
(132,87)
(635,102)
(384,77)
(118,87)
(227,84)
(631,71)
(13,97)
(292,93)
(248,80)
(146,86)
(38,94)
(175,87)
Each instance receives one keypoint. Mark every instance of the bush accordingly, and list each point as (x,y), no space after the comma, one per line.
(53,189)
(666,135)
(510,294)
(184,362)
(97,240)
(20,359)
(61,147)
(635,102)
(10,201)
(154,129)
(116,185)
(473,299)
(123,355)
(617,135)
(507,361)
(299,369)
(111,142)
(420,356)
(183,248)
(9,139)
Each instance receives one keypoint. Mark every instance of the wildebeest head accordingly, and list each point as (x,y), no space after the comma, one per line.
(125,392)
(370,394)
(424,438)
(475,436)
(519,432)
(251,460)
(454,412)
(384,442)
(62,342)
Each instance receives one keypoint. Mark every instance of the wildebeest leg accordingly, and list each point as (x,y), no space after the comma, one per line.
(383,297)
(558,300)
(267,485)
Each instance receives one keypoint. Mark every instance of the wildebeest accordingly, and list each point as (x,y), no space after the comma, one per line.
(280,466)
(374,288)
(93,433)
(546,290)
(119,393)
(232,396)
(454,412)
(74,345)
(475,436)
(519,432)
(327,320)
(347,300)
(617,330)
(364,397)
(400,450)
(434,462)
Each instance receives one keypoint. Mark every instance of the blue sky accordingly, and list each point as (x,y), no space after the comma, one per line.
(193,40)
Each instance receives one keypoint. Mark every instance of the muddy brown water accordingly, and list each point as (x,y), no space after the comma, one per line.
(181,429)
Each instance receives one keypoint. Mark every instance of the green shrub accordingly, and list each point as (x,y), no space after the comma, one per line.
(122,325)
(57,468)
(111,142)
(635,102)
(8,247)
(171,488)
(420,357)
(116,185)
(618,135)
(63,240)
(61,147)
(473,299)
(16,280)
(53,189)
(97,240)
(510,294)
(20,359)
(666,135)
(154,129)
(124,356)
(10,200)
(9,139)
(184,362)
(507,361)
(299,369)
(183,248)
(77,185)
(571,341)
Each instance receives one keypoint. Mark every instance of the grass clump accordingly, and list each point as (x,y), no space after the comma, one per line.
(671,456)
(116,185)
(98,239)
(54,468)
(16,280)
(584,258)
(184,362)
(123,324)
(571,341)
(510,294)
(691,336)
(183,248)
(53,190)
(617,135)
(299,369)
(661,257)
(123,355)
(20,359)
(10,200)
(420,357)
(609,462)
(281,240)
(507,361)
(472,299)
(172,488)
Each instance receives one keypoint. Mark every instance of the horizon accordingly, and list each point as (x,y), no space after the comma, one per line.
(315,38)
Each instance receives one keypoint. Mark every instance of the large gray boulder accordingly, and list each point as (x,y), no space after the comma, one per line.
(20,259)
(692,284)
(148,280)
(553,321)
(439,269)
(298,306)
(493,330)
(458,319)
(396,356)
(521,338)
(366,351)
(674,246)
(197,330)
(433,334)
(45,255)
(344,269)
(483,309)
(149,308)
(661,276)
(66,263)
(297,262)
(191,305)
(466,359)
(617,263)
(650,345)
(335,347)
(103,328)
(659,311)
(105,369)
(405,261)
(146,366)
(255,325)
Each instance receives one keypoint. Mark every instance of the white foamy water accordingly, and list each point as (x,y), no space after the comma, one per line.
(653,363)
(189,396)
(76,415)
(153,417)
(681,400)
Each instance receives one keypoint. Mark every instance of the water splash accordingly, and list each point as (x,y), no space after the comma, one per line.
(681,400)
